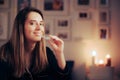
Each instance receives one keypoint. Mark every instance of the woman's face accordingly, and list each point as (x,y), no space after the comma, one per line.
(34,27)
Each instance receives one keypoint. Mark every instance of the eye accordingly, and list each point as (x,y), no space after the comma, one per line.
(42,24)
(31,23)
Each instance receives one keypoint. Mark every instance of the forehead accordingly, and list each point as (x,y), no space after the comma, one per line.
(34,16)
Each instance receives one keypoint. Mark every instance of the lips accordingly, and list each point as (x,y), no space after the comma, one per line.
(38,33)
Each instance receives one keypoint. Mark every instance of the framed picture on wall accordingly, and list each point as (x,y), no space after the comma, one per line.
(103,3)
(23,3)
(62,23)
(63,34)
(3,25)
(104,32)
(84,15)
(53,7)
(104,16)
(4,3)
(83,3)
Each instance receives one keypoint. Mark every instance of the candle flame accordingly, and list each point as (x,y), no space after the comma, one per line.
(107,56)
(94,53)
(101,61)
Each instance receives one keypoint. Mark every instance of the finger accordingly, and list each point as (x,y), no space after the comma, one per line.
(56,39)
(52,44)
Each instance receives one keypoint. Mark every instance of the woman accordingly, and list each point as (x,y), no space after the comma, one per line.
(25,56)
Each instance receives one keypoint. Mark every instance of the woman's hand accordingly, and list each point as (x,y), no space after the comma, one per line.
(57,45)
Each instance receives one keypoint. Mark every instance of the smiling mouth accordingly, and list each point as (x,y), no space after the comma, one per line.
(38,34)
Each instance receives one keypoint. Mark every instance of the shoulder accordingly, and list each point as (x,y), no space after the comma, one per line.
(5,52)
(5,70)
(7,46)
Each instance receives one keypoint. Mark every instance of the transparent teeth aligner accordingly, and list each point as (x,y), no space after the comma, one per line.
(46,37)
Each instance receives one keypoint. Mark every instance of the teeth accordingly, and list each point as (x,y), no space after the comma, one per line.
(46,37)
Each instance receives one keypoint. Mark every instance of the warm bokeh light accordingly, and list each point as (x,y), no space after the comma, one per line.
(107,56)
(101,62)
(93,53)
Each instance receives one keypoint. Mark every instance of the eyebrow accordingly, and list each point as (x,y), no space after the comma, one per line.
(36,21)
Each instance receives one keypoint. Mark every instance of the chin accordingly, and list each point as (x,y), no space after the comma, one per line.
(37,39)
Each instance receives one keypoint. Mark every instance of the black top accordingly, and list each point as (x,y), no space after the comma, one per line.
(52,72)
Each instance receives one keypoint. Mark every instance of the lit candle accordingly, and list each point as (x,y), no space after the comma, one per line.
(101,63)
(93,58)
(108,60)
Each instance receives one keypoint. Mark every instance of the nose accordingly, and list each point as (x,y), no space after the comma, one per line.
(39,27)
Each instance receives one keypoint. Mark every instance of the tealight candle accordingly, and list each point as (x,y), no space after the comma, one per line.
(101,63)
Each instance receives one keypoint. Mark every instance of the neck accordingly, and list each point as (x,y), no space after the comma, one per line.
(28,53)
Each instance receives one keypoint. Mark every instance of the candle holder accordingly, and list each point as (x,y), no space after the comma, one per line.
(108,60)
(101,63)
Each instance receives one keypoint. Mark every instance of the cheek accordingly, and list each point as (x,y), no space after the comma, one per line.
(43,29)
(28,31)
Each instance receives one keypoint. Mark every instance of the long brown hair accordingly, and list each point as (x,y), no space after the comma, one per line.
(17,42)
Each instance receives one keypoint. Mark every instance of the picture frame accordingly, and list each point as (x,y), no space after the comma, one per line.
(103,3)
(49,26)
(62,23)
(3,25)
(83,4)
(4,3)
(48,8)
(84,15)
(104,16)
(104,33)
(63,34)
(21,4)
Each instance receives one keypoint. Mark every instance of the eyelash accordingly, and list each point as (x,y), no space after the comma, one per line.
(32,23)
(41,24)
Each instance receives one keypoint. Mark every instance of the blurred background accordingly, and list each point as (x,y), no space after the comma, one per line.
(86,26)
